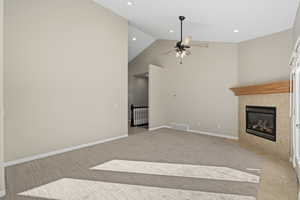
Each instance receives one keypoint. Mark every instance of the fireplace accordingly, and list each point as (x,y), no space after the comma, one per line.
(261,121)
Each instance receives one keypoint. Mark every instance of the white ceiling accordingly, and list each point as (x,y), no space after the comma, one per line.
(142,41)
(207,20)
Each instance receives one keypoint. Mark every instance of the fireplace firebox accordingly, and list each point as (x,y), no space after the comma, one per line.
(261,121)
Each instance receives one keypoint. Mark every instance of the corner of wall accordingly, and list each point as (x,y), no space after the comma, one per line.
(296,25)
(2,172)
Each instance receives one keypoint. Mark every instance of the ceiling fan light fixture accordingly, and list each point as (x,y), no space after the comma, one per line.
(182,47)
(187,40)
(130,3)
(183,54)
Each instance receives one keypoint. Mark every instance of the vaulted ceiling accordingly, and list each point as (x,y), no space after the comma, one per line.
(207,20)
(141,41)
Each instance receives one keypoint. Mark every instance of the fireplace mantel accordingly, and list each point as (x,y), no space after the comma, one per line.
(268,88)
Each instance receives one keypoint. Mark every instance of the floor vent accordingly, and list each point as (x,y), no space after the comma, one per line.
(180,127)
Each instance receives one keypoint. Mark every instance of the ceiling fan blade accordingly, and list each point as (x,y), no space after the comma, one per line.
(188,53)
(168,52)
(187,40)
(201,45)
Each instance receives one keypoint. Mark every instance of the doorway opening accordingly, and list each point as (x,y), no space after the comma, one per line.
(138,102)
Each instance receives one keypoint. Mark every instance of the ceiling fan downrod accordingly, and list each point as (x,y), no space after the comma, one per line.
(181,18)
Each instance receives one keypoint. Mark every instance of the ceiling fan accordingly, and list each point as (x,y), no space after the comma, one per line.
(182,46)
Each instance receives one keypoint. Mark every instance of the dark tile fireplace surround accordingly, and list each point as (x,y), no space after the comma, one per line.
(261,121)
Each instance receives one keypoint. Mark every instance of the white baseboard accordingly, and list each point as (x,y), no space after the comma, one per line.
(214,134)
(44,155)
(198,132)
(2,193)
(159,127)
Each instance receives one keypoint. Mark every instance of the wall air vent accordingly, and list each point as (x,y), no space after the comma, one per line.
(180,127)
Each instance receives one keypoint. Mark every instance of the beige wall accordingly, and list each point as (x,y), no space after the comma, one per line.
(65,75)
(2,187)
(197,91)
(158,97)
(138,90)
(265,59)
(137,87)
(140,64)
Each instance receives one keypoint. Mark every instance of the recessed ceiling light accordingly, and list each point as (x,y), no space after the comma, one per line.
(130,3)
(236,31)
(171,31)
(134,38)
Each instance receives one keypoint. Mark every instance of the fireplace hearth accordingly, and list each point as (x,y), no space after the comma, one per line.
(261,121)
